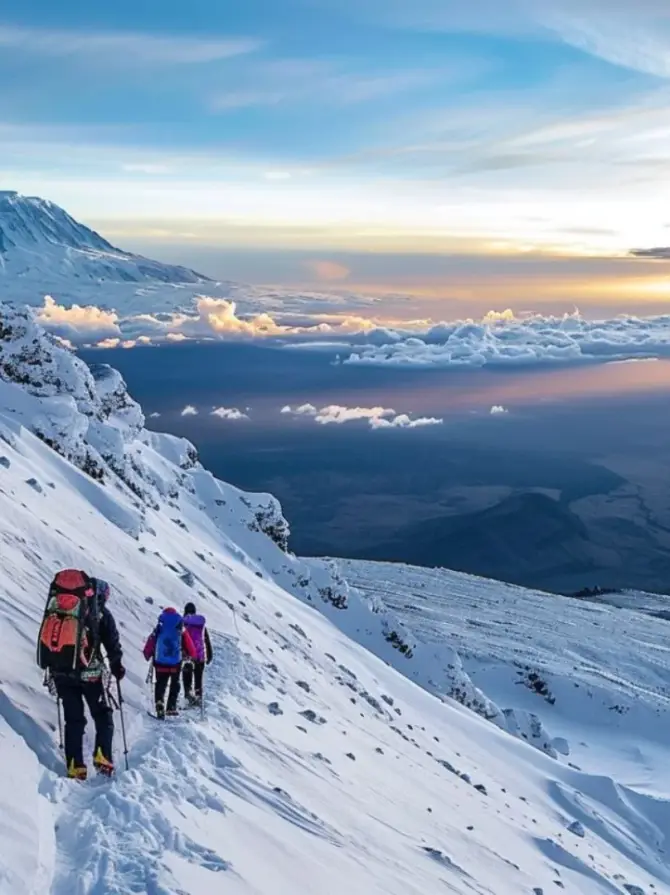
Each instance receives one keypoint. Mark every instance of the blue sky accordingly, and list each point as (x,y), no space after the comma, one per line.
(494,127)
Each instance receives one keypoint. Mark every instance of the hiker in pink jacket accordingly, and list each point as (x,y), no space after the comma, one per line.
(196,626)
(169,645)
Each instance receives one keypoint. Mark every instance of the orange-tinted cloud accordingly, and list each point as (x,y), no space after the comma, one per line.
(328,270)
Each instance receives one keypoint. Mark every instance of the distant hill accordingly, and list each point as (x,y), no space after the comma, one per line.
(527,538)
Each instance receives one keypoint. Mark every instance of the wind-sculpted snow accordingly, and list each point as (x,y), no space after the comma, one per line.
(318,767)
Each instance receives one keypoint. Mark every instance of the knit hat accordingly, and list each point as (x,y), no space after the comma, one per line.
(189,609)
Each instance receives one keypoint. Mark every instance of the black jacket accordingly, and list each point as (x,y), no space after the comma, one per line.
(109,638)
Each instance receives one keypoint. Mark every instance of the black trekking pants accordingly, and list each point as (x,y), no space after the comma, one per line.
(163,678)
(193,672)
(72,693)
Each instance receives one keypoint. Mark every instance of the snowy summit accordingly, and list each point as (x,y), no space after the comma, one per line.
(40,244)
(338,750)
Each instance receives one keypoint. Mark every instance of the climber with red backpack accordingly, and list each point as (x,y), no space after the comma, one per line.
(193,671)
(167,645)
(75,626)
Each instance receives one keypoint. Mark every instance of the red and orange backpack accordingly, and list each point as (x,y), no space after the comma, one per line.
(68,636)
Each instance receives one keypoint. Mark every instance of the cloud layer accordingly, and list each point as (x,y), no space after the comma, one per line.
(503,341)
(377,417)
(498,339)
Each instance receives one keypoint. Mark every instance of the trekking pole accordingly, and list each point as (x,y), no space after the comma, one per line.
(60,724)
(123,722)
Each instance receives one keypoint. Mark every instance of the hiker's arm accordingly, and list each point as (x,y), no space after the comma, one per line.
(208,647)
(109,637)
(150,646)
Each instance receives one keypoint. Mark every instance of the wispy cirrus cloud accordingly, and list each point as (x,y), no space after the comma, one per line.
(123,47)
(341,83)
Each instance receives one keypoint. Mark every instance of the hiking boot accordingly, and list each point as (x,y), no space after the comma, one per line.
(103,765)
(172,713)
(192,700)
(160,710)
(77,771)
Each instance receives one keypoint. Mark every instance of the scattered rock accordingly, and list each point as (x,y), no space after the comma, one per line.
(149,600)
(374,703)
(275,709)
(351,756)
(312,716)
(633,890)
(303,729)
(379,750)
(304,686)
(35,485)
(448,766)
(5,462)
(577,829)
(481,788)
(387,699)
(466,778)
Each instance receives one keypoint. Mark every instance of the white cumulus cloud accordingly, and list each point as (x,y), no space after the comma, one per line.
(78,324)
(229,413)
(498,409)
(377,417)
(501,340)
(189,410)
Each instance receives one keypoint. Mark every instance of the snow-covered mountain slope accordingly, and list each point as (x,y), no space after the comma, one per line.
(596,674)
(40,243)
(319,765)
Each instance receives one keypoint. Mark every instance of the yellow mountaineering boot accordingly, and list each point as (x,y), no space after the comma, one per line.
(77,771)
(103,765)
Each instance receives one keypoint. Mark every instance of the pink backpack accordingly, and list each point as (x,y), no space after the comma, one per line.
(195,625)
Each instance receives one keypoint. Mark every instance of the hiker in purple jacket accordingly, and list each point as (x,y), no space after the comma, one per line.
(193,671)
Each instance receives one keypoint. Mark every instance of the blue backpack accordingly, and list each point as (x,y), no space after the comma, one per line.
(168,639)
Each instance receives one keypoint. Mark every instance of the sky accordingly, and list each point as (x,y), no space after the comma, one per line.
(514,148)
